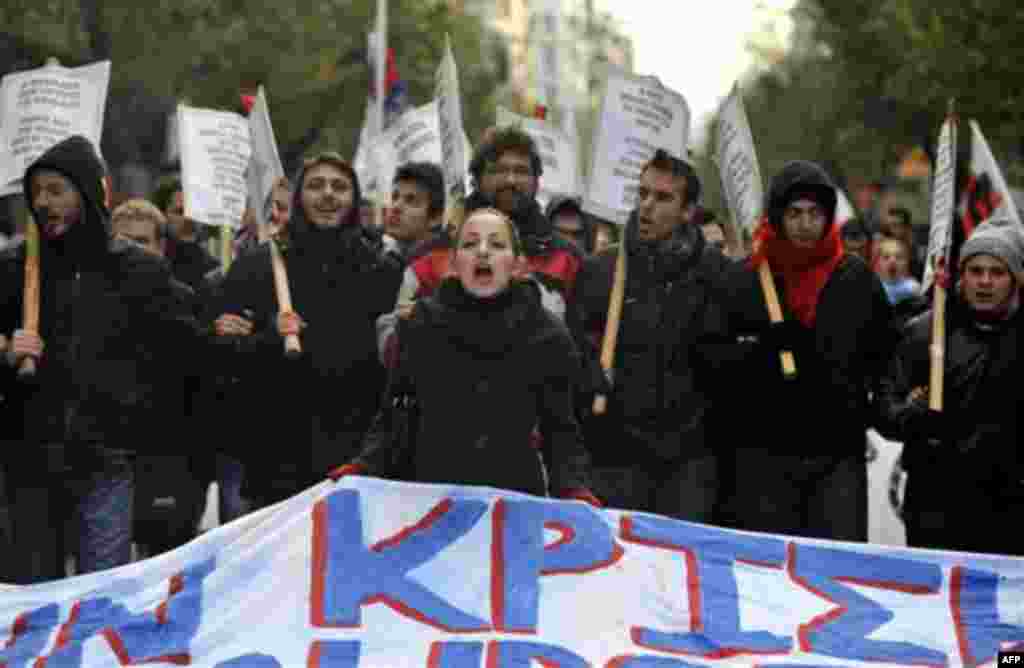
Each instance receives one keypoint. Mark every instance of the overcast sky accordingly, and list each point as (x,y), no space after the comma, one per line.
(695,47)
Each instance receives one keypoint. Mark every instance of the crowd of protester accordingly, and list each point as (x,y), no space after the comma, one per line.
(459,342)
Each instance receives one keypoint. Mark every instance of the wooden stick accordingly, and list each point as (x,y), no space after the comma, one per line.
(938,348)
(611,326)
(30,300)
(226,239)
(771,298)
(292,345)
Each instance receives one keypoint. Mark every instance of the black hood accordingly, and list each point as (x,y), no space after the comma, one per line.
(76,159)
(559,202)
(796,177)
(302,233)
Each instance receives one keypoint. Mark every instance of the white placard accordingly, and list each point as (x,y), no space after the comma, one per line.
(265,163)
(638,116)
(736,159)
(414,137)
(943,199)
(557,153)
(215,152)
(44,106)
(449,107)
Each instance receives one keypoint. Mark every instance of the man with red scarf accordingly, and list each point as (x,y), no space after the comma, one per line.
(800,466)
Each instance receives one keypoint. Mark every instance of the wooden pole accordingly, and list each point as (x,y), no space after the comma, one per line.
(938,348)
(292,345)
(771,298)
(30,300)
(226,240)
(611,326)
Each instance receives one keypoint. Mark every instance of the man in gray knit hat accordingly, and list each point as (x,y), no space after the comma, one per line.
(964,466)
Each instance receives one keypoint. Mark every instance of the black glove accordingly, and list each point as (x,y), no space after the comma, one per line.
(924,424)
(785,335)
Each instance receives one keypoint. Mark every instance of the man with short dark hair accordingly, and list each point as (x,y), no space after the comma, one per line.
(417,205)
(653,433)
(190,262)
(109,320)
(857,239)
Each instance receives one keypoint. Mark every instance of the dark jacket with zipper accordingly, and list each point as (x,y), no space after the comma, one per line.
(114,325)
(297,418)
(484,373)
(981,403)
(663,382)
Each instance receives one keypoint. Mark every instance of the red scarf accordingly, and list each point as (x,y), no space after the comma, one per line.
(804,272)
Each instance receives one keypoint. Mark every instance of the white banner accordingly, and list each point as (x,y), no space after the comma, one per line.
(215,153)
(265,164)
(375,574)
(736,159)
(638,116)
(943,202)
(557,153)
(44,106)
(449,106)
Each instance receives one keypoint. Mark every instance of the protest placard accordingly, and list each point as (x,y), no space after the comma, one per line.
(638,116)
(265,163)
(449,108)
(557,154)
(736,159)
(215,153)
(943,200)
(414,137)
(44,106)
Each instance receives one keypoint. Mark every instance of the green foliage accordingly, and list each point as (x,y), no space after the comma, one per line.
(309,55)
(866,80)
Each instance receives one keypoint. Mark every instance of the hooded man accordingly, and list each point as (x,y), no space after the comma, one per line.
(506,173)
(308,413)
(964,463)
(800,442)
(570,222)
(653,433)
(110,319)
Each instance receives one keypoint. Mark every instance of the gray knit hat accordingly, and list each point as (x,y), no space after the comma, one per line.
(1001,238)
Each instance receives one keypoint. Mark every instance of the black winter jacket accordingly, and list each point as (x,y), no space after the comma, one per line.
(116,330)
(981,402)
(303,416)
(485,372)
(663,379)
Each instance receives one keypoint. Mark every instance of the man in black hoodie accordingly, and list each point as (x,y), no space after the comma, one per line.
(800,466)
(110,319)
(300,417)
(653,433)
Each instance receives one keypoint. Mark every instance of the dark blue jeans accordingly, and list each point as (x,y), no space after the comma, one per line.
(56,509)
(105,512)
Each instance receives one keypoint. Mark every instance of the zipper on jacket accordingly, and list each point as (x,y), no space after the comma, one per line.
(71,407)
